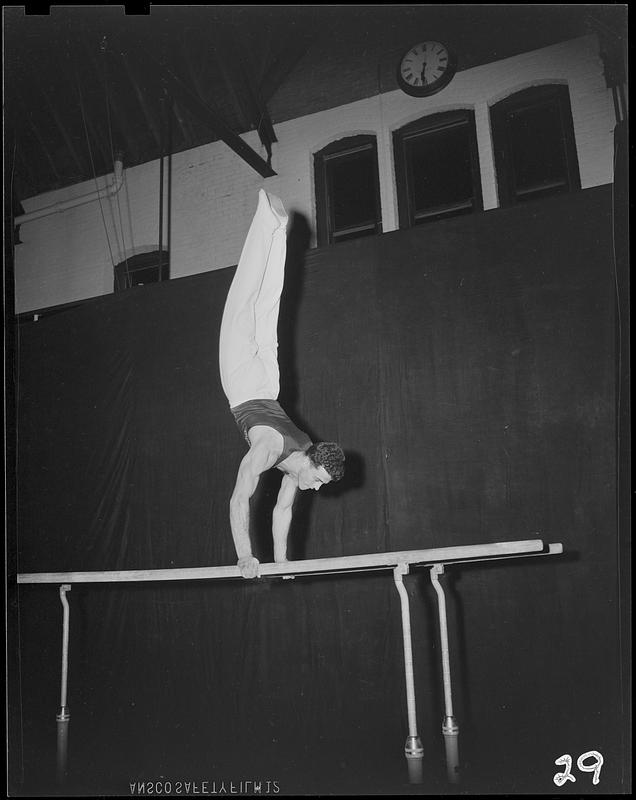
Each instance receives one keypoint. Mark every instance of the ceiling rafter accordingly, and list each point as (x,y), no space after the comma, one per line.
(193,73)
(27,173)
(286,62)
(36,133)
(187,51)
(96,133)
(62,128)
(147,112)
(111,101)
(220,52)
(86,122)
(159,100)
(184,125)
(202,110)
(90,58)
(241,83)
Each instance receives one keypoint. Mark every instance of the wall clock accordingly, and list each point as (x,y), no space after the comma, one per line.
(426,68)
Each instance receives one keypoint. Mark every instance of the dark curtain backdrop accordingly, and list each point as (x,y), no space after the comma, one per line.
(468,369)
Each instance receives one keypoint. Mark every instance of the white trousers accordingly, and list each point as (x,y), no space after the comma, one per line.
(248,343)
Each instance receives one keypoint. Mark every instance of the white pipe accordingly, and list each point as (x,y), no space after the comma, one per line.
(107,191)
(437,570)
(65,631)
(413,749)
(450,729)
(63,715)
(398,572)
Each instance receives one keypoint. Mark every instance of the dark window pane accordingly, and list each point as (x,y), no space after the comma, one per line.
(440,165)
(534,144)
(352,188)
(347,190)
(538,149)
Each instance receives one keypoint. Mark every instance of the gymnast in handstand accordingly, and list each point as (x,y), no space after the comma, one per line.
(248,361)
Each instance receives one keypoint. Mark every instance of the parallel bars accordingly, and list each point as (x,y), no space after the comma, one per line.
(400,562)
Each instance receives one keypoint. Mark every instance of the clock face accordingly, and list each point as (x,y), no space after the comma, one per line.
(425,69)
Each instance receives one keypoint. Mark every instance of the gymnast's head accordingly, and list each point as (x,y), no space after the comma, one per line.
(325,463)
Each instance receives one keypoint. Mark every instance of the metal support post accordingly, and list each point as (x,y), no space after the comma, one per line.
(413,747)
(450,729)
(63,716)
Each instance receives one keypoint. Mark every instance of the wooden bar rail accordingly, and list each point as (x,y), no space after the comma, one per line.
(310,566)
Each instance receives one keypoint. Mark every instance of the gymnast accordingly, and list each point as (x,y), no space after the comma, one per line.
(248,362)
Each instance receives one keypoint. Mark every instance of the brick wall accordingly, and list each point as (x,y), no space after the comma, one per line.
(69,256)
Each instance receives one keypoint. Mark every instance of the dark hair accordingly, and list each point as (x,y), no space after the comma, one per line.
(328,455)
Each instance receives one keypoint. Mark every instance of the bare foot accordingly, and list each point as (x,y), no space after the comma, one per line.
(277,208)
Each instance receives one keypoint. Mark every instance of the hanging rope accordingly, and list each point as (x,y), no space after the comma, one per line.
(169,209)
(90,153)
(102,48)
(161,156)
(74,72)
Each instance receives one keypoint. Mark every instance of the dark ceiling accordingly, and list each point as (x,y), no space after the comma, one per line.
(84,83)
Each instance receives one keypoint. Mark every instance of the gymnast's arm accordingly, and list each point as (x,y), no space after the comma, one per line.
(260,457)
(282,516)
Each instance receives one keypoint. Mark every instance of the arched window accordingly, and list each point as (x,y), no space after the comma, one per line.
(533,139)
(347,190)
(141,269)
(437,168)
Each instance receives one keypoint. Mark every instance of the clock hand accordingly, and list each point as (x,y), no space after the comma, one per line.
(423,75)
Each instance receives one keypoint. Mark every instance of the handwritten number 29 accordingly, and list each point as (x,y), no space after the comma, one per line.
(562,777)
